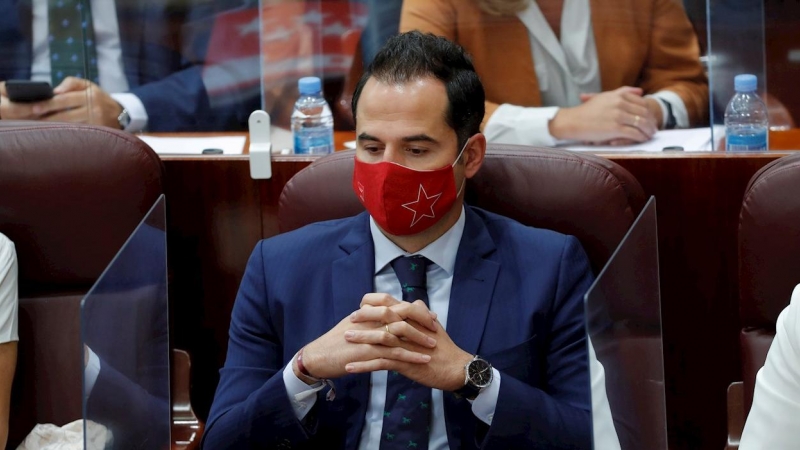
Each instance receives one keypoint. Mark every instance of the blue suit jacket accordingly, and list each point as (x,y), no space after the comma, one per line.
(517,300)
(163,47)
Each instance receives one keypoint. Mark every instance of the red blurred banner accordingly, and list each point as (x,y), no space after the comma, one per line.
(298,38)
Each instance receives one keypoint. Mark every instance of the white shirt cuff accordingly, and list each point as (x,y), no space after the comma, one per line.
(486,402)
(678,108)
(90,373)
(511,124)
(136,111)
(301,395)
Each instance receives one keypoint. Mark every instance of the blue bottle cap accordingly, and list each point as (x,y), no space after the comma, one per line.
(309,85)
(745,82)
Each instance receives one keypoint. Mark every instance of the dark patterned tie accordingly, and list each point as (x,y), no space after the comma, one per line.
(407,414)
(71,39)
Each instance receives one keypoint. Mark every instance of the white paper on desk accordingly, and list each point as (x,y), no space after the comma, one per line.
(281,139)
(691,139)
(230,145)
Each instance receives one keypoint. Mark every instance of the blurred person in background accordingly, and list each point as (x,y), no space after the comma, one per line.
(601,72)
(125,64)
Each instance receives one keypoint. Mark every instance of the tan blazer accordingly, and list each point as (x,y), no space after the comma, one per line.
(644,43)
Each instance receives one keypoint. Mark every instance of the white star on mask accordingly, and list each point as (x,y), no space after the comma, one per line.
(418,201)
(361,191)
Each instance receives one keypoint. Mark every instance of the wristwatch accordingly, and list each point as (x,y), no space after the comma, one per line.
(477,377)
(124,119)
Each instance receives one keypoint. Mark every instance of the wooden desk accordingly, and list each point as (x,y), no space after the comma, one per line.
(216,214)
(339,139)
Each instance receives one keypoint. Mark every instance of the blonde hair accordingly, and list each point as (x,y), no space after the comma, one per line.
(502,7)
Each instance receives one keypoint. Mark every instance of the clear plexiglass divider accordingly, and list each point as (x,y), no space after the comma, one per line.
(125,340)
(202,66)
(623,323)
(735,46)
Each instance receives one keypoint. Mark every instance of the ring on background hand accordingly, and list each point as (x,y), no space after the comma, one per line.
(387,328)
(636,120)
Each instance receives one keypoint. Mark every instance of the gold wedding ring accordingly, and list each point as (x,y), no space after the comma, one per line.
(387,328)
(636,120)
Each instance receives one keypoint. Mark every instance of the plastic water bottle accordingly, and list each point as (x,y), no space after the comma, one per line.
(746,119)
(312,121)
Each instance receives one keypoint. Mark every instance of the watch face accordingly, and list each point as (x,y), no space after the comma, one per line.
(124,119)
(480,373)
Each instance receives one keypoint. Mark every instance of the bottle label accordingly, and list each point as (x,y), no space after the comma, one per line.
(314,141)
(746,142)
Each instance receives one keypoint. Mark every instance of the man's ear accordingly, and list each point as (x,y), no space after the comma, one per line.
(474,154)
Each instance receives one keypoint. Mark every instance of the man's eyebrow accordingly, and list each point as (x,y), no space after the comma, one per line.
(420,138)
(367,137)
(413,138)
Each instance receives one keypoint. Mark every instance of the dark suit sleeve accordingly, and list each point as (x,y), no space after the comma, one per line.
(145,418)
(558,416)
(178,103)
(251,407)
(125,323)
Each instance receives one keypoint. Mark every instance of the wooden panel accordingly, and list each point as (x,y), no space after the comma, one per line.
(213,222)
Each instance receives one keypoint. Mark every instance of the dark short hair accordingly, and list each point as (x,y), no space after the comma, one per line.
(414,55)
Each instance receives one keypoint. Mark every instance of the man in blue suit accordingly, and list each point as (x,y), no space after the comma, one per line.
(150,60)
(319,338)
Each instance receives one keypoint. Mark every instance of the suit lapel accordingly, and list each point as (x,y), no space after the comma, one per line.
(473,285)
(535,21)
(353,274)
(474,279)
(352,278)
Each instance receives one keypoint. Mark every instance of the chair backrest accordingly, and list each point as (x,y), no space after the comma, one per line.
(769,265)
(580,194)
(70,195)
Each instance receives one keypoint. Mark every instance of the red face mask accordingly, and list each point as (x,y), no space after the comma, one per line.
(405,201)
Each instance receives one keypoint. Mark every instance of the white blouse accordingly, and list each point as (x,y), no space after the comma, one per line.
(774,419)
(9,300)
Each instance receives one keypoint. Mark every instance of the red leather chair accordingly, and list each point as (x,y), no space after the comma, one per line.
(580,194)
(769,269)
(70,195)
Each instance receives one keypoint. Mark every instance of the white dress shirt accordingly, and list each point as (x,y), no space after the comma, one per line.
(564,69)
(110,69)
(9,297)
(774,420)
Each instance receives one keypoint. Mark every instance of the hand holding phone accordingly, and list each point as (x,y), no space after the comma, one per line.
(26,91)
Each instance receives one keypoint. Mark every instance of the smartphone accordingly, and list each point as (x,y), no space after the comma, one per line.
(27,91)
